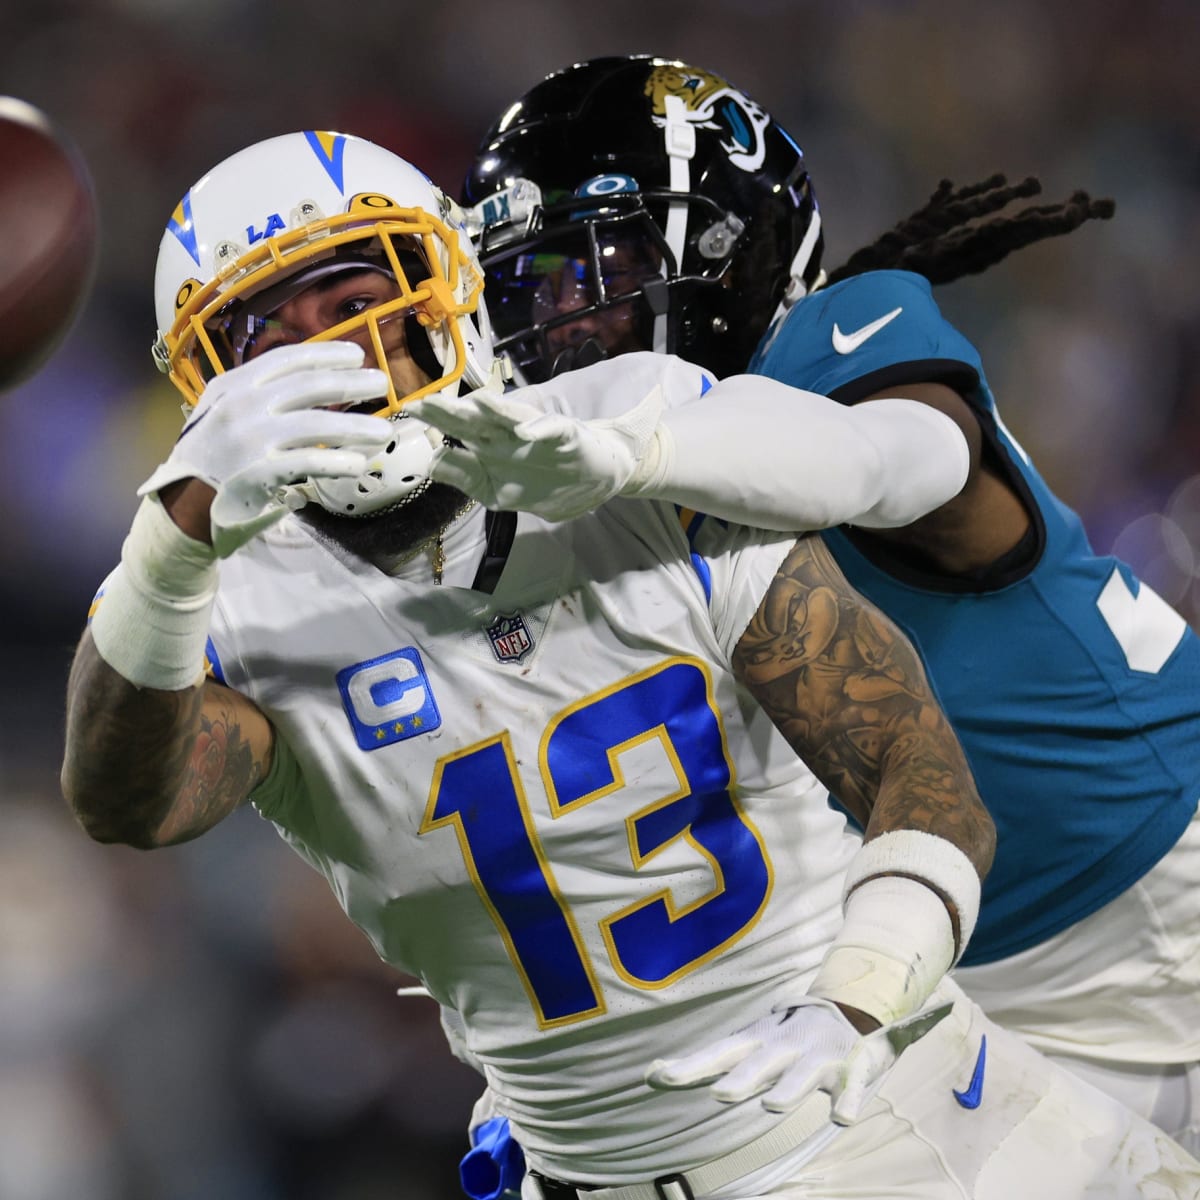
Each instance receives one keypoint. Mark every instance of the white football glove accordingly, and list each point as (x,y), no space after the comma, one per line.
(515,456)
(263,426)
(793,1052)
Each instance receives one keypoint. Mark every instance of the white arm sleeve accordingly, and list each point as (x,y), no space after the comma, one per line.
(761,453)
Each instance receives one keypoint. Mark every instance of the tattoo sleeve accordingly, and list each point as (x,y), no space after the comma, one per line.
(151,768)
(847,689)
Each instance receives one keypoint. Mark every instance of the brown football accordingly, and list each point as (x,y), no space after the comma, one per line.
(48,238)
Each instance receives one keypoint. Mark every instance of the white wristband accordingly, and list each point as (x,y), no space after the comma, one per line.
(923,856)
(152,618)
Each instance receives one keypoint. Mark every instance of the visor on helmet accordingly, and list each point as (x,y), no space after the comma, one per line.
(247,328)
(580,282)
(581,272)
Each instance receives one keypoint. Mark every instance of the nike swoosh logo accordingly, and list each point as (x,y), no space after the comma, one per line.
(847,343)
(973,1096)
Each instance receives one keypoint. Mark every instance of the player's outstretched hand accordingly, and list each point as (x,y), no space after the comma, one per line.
(793,1052)
(272,423)
(515,456)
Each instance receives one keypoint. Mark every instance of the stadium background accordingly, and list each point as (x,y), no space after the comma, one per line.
(202,1022)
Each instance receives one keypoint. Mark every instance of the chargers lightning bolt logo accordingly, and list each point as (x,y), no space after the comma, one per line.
(184,228)
(330,149)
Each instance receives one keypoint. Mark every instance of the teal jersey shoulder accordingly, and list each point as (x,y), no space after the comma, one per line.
(1073,687)
(882,326)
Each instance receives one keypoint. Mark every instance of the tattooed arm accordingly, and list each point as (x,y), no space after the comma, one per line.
(151,768)
(848,691)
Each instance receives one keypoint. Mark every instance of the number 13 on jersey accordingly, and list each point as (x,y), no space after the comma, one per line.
(478,792)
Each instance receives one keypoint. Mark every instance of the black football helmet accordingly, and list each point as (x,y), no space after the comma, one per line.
(639,203)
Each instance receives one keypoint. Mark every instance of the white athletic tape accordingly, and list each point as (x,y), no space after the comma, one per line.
(894,946)
(897,940)
(151,623)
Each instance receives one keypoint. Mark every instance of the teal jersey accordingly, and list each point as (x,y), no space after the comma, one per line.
(1074,688)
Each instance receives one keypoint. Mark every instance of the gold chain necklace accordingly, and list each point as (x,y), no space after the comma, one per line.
(439,557)
(439,549)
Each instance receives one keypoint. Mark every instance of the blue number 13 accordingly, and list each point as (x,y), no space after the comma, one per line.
(653,941)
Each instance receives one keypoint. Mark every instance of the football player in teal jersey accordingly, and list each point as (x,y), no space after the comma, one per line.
(1074,687)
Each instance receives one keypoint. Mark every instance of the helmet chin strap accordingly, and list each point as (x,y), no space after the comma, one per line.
(796,288)
(680,138)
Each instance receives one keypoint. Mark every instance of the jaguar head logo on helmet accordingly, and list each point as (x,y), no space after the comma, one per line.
(336,214)
(639,203)
(708,102)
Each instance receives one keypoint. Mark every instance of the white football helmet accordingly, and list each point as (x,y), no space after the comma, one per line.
(290,209)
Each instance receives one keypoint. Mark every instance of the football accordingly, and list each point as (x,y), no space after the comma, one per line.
(48,238)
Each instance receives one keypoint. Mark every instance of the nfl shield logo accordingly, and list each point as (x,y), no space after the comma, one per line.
(510,638)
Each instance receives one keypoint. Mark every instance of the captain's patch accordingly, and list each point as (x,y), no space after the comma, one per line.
(388,699)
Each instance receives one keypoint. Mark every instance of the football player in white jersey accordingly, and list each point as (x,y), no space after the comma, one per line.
(572,774)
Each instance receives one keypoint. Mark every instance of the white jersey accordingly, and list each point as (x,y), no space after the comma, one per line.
(553,804)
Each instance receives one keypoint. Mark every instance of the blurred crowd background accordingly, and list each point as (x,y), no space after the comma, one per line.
(202,1022)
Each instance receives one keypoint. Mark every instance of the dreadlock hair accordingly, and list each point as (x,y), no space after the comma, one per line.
(940,242)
